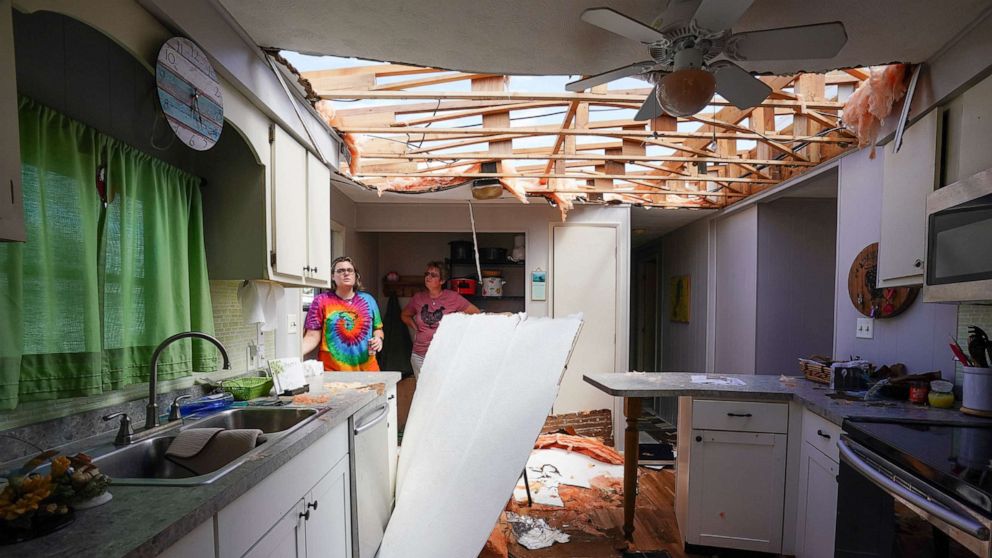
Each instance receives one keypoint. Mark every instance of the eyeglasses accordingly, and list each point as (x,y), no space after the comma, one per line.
(431,274)
(344,271)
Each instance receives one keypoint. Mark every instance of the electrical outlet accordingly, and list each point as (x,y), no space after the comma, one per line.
(291,321)
(866,328)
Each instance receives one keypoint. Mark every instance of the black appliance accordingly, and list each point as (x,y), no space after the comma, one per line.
(914,489)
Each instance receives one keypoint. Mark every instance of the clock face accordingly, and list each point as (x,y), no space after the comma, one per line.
(189,93)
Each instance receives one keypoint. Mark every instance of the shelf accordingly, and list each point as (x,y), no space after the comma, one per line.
(480,297)
(486,264)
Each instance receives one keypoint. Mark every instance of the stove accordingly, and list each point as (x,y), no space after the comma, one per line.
(899,476)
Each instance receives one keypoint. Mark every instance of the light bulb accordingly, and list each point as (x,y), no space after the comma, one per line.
(685,92)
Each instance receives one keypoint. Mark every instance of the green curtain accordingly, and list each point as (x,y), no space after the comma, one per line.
(98,285)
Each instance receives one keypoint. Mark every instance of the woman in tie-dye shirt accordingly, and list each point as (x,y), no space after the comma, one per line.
(345,324)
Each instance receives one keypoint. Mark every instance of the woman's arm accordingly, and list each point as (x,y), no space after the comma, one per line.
(407,316)
(471,309)
(311,339)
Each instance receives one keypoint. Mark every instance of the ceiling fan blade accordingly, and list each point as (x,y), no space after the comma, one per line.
(734,84)
(608,76)
(717,15)
(823,40)
(615,22)
(651,108)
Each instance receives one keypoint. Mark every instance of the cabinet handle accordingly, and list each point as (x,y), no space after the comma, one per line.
(918,263)
(820,433)
(306,268)
(11,191)
(315,269)
(699,438)
(312,504)
(305,515)
(744,415)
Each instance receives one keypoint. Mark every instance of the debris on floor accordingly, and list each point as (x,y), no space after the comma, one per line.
(549,468)
(534,533)
(496,546)
(593,447)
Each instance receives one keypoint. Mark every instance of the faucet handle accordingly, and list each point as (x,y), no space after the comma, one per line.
(124,434)
(174,412)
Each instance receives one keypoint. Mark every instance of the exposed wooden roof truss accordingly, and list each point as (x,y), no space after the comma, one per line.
(416,140)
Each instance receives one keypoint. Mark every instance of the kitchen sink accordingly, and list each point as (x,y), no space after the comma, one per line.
(144,462)
(268,420)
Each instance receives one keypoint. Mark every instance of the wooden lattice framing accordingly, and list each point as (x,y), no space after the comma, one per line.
(709,160)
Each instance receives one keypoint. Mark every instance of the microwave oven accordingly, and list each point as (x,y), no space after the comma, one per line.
(959,241)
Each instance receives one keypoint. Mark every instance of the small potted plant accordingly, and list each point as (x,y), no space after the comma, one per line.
(35,501)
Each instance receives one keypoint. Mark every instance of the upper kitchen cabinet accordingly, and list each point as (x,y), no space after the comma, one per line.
(909,176)
(11,205)
(266,215)
(301,195)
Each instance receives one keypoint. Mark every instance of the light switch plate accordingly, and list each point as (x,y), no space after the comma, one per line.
(866,328)
(291,321)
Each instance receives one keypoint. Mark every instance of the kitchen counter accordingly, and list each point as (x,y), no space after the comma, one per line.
(146,520)
(770,388)
(633,386)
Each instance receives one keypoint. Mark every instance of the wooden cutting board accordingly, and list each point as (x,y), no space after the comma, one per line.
(869,300)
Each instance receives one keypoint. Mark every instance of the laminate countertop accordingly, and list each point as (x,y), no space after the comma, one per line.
(814,396)
(146,520)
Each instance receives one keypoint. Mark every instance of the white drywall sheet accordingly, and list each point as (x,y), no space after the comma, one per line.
(485,390)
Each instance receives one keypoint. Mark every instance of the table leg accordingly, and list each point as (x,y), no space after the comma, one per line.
(631,448)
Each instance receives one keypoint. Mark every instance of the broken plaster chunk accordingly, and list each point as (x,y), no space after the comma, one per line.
(534,533)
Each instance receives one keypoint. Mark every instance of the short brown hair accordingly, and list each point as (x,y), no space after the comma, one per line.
(358,274)
(439,266)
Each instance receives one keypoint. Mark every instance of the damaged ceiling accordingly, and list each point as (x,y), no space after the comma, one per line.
(524,37)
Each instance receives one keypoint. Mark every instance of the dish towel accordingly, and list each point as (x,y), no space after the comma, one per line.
(259,301)
(204,450)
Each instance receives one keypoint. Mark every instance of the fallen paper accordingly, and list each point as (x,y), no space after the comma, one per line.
(534,533)
(716,380)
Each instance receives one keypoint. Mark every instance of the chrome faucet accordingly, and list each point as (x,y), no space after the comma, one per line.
(151,410)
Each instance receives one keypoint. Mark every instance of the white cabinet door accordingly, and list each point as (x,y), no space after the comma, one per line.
(908,178)
(817,504)
(736,490)
(319,221)
(328,525)
(11,205)
(289,198)
(285,539)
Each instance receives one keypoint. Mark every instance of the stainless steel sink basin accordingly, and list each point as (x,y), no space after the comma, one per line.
(144,462)
(268,420)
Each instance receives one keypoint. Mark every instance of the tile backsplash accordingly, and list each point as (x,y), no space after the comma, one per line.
(968,315)
(232,330)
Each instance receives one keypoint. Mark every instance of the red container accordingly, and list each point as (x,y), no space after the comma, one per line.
(918,393)
(463,286)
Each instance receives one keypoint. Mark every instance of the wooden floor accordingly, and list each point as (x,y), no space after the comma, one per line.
(597,530)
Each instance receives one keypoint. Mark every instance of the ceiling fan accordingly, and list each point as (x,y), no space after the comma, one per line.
(692,55)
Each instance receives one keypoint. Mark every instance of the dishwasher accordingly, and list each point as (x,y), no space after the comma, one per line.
(370,495)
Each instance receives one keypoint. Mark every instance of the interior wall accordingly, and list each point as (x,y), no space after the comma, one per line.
(736,291)
(685,252)
(362,247)
(917,337)
(796,264)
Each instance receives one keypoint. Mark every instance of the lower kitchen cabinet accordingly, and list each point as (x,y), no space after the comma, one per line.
(818,468)
(734,484)
(327,515)
(262,522)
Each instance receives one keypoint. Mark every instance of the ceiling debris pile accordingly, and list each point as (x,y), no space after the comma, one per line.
(416,140)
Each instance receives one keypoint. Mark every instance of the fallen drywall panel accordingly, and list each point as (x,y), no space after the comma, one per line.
(486,388)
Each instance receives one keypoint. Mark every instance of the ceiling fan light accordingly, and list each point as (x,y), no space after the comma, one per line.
(685,92)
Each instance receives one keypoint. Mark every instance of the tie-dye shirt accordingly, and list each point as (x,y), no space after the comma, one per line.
(346,328)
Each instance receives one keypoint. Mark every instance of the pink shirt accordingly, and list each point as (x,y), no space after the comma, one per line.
(427,314)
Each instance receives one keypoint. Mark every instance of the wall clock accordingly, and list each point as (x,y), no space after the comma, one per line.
(867,298)
(189,93)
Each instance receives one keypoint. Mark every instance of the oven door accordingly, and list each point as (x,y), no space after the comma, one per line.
(883,510)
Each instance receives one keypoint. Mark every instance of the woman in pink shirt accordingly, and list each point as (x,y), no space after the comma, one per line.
(424,311)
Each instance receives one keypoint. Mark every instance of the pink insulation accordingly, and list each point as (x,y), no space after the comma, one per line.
(873,101)
(326,110)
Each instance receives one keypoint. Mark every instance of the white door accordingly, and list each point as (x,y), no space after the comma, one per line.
(328,526)
(319,226)
(584,279)
(736,490)
(289,197)
(817,519)
(285,539)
